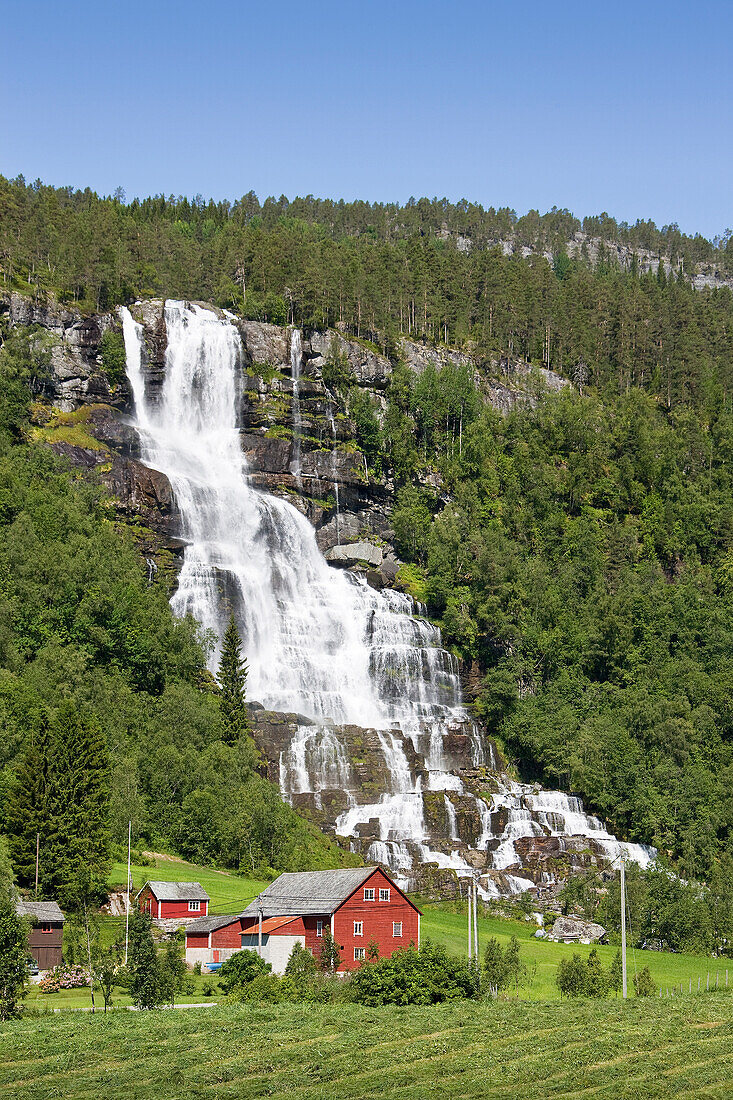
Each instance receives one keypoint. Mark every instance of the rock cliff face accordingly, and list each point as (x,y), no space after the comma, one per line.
(332,485)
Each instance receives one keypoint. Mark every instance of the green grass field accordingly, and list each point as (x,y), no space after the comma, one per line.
(542,957)
(501,1051)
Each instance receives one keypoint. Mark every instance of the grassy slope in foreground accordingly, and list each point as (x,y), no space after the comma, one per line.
(502,1050)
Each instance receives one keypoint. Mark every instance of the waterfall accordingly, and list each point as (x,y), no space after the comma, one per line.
(296,359)
(319,641)
(335,472)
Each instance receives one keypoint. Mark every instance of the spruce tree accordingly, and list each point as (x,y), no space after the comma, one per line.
(233,683)
(61,792)
(78,805)
(26,811)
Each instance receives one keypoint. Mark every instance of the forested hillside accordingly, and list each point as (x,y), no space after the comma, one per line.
(576,553)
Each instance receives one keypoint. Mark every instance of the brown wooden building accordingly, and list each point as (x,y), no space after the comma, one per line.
(46,936)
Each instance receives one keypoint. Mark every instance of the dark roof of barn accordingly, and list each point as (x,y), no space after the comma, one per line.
(177,891)
(308,892)
(42,910)
(210,924)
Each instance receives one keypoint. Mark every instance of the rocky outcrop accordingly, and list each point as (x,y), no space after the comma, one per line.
(76,377)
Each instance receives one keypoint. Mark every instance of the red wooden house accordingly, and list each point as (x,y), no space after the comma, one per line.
(356,905)
(213,939)
(173,902)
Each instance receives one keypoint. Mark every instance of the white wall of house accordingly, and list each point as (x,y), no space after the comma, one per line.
(275,949)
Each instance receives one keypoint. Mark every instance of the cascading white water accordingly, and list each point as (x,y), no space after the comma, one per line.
(319,642)
(296,359)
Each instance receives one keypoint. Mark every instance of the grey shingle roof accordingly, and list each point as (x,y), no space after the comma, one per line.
(177,891)
(210,924)
(309,892)
(41,910)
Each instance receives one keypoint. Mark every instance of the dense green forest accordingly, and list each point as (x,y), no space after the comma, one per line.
(577,555)
(107,709)
(386,270)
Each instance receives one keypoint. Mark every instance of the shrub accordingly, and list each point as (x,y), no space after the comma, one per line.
(112,351)
(578,978)
(427,976)
(64,977)
(268,989)
(644,983)
(503,968)
(240,969)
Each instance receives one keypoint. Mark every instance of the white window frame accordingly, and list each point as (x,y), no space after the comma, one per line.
(358,954)
(397,924)
(194,906)
(358,927)
(384,892)
(369,893)
(319,929)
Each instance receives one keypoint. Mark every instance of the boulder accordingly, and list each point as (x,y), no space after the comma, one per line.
(355,552)
(575,930)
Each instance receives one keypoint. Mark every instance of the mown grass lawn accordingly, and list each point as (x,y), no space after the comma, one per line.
(504,1050)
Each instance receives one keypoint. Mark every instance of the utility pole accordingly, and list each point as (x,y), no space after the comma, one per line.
(38,849)
(470,920)
(475,922)
(259,931)
(623,928)
(127,892)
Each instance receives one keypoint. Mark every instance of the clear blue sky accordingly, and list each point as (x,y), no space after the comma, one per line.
(617,106)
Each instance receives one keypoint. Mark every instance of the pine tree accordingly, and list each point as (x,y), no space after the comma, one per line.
(61,792)
(78,804)
(26,810)
(233,683)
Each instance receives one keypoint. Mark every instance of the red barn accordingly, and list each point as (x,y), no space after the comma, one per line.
(356,905)
(173,903)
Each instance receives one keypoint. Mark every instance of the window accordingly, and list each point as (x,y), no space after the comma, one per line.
(46,928)
(369,894)
(397,928)
(358,928)
(319,927)
(358,953)
(194,906)
(384,895)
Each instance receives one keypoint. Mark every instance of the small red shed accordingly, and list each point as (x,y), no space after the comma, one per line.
(356,905)
(178,902)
